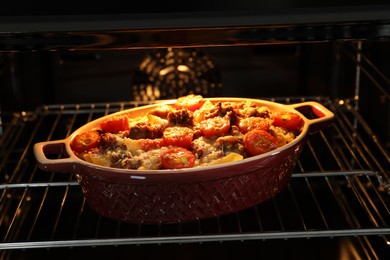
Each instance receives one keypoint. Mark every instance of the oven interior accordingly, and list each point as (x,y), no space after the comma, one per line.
(335,207)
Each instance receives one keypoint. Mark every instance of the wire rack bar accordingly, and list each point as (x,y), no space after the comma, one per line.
(192,239)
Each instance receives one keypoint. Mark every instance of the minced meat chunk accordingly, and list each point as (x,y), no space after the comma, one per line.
(202,146)
(144,130)
(249,109)
(109,141)
(149,160)
(181,117)
(230,144)
(150,128)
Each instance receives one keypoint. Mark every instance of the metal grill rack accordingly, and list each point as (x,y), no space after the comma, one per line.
(339,195)
(340,188)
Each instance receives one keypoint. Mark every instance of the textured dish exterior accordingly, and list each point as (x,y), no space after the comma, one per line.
(188,201)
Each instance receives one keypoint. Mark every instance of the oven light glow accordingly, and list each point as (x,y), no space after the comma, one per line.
(166,70)
(347,250)
(183,68)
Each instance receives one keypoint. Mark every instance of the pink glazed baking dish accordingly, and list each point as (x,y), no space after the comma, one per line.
(182,195)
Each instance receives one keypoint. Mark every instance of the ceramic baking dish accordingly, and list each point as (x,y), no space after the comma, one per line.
(182,195)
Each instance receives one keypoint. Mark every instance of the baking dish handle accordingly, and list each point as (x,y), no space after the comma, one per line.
(317,115)
(63,161)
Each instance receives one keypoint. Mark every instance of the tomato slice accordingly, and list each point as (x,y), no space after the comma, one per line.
(191,102)
(250,123)
(289,120)
(199,114)
(177,158)
(259,141)
(115,124)
(85,141)
(215,126)
(178,136)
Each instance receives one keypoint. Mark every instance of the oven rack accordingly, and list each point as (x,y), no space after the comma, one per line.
(340,188)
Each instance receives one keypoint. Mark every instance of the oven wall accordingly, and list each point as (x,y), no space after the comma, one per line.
(70,77)
(311,69)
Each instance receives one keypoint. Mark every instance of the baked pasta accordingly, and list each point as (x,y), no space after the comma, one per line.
(191,132)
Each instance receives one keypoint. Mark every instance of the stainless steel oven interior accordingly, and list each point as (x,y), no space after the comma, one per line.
(337,203)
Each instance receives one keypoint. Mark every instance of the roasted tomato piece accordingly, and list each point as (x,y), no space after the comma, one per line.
(115,124)
(191,102)
(250,123)
(177,158)
(178,136)
(259,141)
(199,115)
(215,126)
(85,141)
(289,120)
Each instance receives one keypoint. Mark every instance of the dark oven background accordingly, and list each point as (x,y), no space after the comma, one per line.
(337,204)
(30,79)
